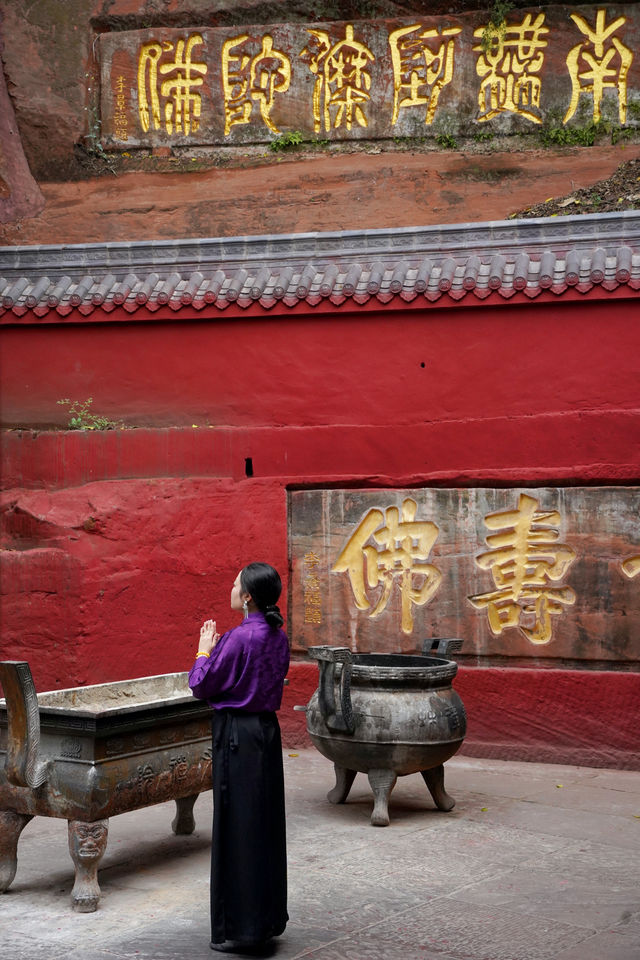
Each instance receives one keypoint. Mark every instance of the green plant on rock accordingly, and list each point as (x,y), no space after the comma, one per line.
(583,136)
(286,141)
(81,417)
(497,24)
(620,133)
(447,141)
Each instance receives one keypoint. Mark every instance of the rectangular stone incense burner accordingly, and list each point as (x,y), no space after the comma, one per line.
(88,753)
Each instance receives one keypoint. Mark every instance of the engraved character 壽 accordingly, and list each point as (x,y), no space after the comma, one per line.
(523,558)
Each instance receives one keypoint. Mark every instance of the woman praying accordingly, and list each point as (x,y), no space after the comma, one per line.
(241,675)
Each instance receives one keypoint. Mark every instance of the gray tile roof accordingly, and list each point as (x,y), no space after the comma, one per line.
(522,258)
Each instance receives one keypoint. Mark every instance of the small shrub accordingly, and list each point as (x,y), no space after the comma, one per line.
(447,141)
(81,418)
(286,141)
(496,28)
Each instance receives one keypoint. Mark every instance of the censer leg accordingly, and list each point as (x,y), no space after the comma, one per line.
(11,826)
(87,844)
(184,821)
(344,782)
(382,783)
(434,780)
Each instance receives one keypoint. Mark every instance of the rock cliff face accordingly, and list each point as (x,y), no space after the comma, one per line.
(19,193)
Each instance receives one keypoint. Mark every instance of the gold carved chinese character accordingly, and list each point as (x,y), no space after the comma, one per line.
(247,80)
(120,112)
(182,104)
(311,589)
(631,567)
(422,63)
(401,545)
(342,79)
(600,61)
(510,58)
(525,555)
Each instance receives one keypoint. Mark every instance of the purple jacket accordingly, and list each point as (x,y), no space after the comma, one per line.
(246,668)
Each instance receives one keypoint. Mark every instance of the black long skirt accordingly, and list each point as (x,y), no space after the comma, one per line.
(248,855)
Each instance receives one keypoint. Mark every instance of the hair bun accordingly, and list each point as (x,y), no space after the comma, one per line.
(273,616)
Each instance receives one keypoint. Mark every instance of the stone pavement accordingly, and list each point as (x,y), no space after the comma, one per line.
(535,861)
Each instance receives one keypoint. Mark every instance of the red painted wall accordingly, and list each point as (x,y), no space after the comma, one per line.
(118,544)
(390,368)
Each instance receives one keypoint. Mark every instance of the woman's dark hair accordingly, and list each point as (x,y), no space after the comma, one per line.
(262,582)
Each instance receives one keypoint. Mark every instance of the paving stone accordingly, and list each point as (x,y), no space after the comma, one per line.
(586,796)
(342,904)
(356,950)
(21,947)
(589,902)
(604,946)
(466,930)
(543,819)
(521,880)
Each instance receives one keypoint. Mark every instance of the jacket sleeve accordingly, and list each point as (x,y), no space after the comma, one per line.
(216,675)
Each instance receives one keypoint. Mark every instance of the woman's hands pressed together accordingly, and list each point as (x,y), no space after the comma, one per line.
(208,637)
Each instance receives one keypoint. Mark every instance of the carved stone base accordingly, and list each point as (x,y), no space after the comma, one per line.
(87,844)
(11,826)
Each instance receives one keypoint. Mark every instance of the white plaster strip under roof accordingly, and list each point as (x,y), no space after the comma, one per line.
(511,257)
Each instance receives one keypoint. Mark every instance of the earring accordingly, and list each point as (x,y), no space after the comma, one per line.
(245,609)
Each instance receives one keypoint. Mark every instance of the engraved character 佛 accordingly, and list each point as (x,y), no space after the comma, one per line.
(401,546)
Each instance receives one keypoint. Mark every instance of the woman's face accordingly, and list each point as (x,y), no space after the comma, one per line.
(237,595)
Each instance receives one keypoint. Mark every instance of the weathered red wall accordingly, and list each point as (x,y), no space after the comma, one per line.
(120,543)
(385,369)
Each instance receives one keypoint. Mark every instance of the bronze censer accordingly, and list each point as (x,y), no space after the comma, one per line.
(387,715)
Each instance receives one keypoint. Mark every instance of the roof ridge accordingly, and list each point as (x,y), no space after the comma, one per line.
(507,258)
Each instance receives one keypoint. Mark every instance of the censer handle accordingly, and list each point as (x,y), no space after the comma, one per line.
(441,647)
(338,717)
